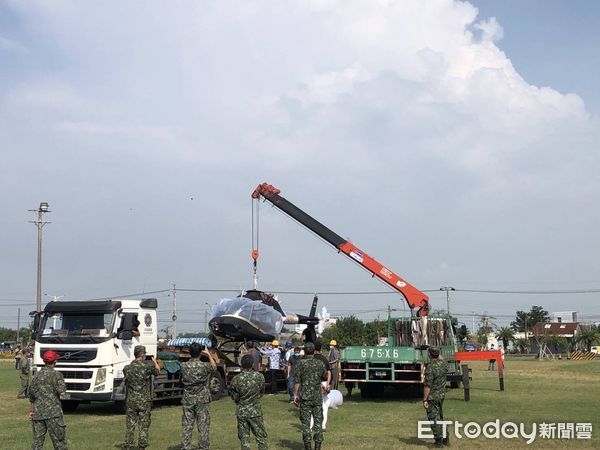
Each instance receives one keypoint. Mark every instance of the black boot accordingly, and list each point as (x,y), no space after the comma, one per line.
(446,440)
(307,446)
(317,446)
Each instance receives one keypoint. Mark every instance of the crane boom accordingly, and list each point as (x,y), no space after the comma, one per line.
(414,297)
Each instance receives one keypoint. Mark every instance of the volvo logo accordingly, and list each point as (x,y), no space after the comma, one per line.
(67,355)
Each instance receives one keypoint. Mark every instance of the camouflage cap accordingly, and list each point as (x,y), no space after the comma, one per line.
(139,350)
(309,347)
(434,352)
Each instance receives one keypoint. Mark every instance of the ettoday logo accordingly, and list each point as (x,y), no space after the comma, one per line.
(507,430)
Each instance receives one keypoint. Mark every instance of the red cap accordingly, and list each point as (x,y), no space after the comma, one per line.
(50,356)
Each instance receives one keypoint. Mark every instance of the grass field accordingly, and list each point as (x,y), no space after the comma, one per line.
(547,391)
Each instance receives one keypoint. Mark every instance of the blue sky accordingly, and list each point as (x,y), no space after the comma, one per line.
(457,146)
(552,43)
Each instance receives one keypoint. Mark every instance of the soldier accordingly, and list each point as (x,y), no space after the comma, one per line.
(195,378)
(246,390)
(46,411)
(434,393)
(18,356)
(138,381)
(310,372)
(24,368)
(321,357)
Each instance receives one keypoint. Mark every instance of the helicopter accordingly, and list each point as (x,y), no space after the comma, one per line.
(257,316)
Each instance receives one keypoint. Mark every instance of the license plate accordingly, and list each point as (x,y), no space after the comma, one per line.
(380,374)
(65,396)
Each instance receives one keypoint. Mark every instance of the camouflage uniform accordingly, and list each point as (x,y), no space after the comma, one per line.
(309,374)
(44,393)
(246,390)
(24,368)
(435,379)
(195,377)
(138,381)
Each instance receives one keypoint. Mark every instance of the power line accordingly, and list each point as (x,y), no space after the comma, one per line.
(535,292)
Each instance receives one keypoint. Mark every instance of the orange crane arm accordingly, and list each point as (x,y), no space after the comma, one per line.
(414,297)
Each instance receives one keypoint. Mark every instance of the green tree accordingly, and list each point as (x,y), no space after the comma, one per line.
(525,320)
(329,333)
(10,335)
(587,335)
(346,331)
(375,330)
(485,328)
(560,343)
(462,334)
(506,335)
(522,345)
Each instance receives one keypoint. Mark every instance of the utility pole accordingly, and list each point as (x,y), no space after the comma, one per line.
(174,316)
(18,324)
(447,289)
(39,223)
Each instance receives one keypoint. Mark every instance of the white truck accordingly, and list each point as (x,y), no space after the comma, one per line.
(95,341)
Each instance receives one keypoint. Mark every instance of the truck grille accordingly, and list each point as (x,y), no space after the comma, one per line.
(78,386)
(69,355)
(77,374)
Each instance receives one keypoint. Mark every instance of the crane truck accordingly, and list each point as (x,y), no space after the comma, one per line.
(401,361)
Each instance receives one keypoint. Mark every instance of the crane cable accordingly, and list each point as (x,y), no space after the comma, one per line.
(255,235)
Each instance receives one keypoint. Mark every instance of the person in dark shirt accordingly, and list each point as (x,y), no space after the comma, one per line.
(291,365)
(256,356)
(321,357)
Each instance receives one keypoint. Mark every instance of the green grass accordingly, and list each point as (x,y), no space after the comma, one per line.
(547,391)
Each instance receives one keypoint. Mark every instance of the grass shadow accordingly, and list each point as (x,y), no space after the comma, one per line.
(414,441)
(291,445)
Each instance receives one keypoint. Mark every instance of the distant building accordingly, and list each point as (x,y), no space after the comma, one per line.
(542,330)
(565,316)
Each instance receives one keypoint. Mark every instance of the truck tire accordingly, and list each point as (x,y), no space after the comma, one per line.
(69,405)
(217,385)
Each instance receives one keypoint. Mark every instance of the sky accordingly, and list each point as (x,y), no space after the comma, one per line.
(455,142)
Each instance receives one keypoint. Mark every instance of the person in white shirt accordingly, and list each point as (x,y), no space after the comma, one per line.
(274,354)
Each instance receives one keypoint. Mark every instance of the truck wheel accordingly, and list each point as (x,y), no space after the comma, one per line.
(69,405)
(217,386)
(120,407)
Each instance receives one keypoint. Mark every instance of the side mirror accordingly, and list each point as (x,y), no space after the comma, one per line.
(126,329)
(36,325)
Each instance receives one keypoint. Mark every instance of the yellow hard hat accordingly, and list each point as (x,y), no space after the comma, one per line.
(333,342)
(275,343)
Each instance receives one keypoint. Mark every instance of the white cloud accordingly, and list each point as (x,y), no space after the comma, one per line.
(490,29)
(404,114)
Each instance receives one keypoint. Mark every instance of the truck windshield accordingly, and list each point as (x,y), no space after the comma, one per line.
(76,327)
